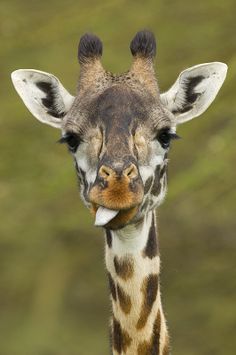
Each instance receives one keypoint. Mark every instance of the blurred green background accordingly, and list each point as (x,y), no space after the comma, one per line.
(53,292)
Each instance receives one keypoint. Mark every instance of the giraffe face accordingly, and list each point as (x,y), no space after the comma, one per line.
(120,153)
(119,127)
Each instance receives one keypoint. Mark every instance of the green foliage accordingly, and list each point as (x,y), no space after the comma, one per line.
(53,297)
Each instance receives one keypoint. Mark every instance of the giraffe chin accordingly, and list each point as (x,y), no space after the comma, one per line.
(113,219)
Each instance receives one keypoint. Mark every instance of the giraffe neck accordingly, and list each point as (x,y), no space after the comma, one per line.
(133,264)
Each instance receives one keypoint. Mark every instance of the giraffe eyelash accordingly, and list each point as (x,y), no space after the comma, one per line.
(62,140)
(174,136)
(165,136)
(72,140)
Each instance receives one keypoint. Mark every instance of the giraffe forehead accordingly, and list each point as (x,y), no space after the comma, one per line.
(119,106)
(125,115)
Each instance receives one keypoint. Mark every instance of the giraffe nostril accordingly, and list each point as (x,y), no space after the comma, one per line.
(105,172)
(131,172)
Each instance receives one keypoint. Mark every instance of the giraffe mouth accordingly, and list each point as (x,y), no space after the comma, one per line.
(113,219)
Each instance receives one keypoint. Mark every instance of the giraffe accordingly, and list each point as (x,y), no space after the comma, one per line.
(118,129)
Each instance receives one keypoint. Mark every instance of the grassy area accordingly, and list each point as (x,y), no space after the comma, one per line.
(53,298)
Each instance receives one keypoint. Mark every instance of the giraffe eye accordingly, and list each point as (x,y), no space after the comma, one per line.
(72,140)
(165,137)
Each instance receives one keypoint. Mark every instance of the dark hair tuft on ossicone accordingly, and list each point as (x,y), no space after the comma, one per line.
(90,46)
(143,44)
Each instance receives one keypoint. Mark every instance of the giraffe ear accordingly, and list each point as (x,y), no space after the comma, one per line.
(43,95)
(194,90)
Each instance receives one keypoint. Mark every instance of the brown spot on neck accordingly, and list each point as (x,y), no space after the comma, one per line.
(112,286)
(109,238)
(124,267)
(124,300)
(149,290)
(151,248)
(152,347)
(121,339)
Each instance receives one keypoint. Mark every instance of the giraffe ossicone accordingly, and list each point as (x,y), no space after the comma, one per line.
(119,129)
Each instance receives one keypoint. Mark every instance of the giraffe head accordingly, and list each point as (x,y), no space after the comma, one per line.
(119,128)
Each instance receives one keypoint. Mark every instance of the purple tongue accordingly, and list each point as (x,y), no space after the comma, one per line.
(104,215)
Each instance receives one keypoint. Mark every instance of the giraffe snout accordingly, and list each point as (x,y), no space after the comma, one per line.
(117,186)
(129,172)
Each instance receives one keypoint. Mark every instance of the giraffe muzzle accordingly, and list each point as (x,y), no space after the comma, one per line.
(116,195)
(117,189)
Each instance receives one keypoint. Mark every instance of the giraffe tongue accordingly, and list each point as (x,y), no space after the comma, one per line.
(104,215)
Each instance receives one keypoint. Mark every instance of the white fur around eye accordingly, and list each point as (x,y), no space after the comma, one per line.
(83,163)
(156,158)
(157,154)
